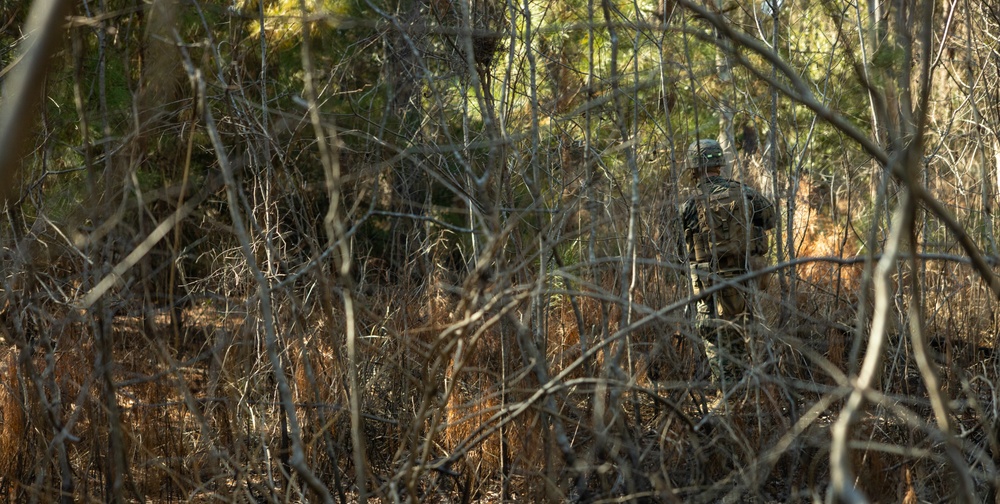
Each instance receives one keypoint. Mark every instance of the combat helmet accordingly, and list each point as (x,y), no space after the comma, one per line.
(705,153)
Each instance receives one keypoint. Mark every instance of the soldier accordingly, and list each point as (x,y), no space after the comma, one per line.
(724,227)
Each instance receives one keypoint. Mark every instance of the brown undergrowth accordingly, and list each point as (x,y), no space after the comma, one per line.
(13,424)
(486,391)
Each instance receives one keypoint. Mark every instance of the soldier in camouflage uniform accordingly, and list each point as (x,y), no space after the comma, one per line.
(725,222)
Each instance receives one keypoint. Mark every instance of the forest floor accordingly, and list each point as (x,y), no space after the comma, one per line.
(196,427)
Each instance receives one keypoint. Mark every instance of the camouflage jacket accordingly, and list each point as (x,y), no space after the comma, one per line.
(763,212)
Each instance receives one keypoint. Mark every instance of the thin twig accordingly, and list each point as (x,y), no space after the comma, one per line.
(298,459)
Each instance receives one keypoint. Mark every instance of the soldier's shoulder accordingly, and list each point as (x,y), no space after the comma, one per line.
(735,184)
(757,195)
(718,184)
(714,184)
(719,180)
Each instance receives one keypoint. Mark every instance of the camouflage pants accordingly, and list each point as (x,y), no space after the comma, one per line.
(726,351)
(721,322)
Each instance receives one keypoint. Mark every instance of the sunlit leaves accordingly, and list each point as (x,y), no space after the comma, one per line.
(283,18)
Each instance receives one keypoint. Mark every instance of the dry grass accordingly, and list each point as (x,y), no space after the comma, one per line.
(453,403)
(13,425)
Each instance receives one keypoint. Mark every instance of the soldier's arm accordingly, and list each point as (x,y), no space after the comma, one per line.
(689,217)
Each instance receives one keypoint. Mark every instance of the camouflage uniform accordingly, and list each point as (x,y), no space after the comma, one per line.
(722,317)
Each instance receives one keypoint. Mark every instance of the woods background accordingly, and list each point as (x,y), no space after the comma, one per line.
(427,250)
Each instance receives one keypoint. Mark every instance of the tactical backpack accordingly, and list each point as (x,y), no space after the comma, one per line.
(723,228)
